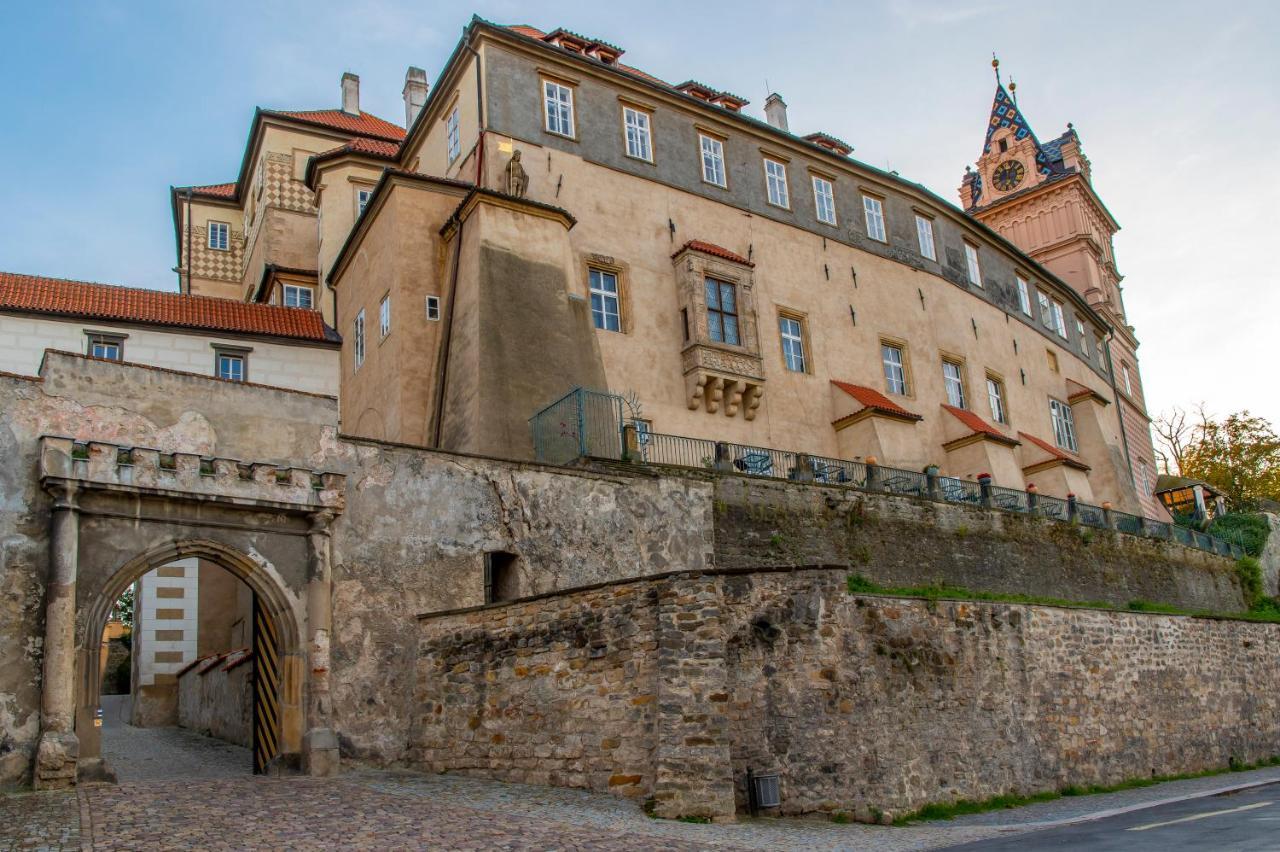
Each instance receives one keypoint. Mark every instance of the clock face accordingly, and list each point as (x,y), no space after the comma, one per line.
(1008,175)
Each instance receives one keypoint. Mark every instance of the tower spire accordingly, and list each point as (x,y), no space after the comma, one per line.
(1013,90)
(995,66)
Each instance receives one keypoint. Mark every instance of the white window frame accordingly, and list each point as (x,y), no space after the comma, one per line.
(873,213)
(995,398)
(824,200)
(775,178)
(895,369)
(953,382)
(1059,319)
(972,264)
(638,133)
(230,357)
(791,332)
(1128,382)
(363,194)
(384,316)
(924,235)
(222,243)
(452,135)
(1024,295)
(713,168)
(1064,425)
(295,290)
(557,109)
(358,339)
(1046,309)
(106,341)
(608,316)
(1084,338)
(433,308)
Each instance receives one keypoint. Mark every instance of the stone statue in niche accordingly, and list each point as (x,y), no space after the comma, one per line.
(517,177)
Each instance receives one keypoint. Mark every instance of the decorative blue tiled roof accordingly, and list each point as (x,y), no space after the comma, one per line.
(1005,113)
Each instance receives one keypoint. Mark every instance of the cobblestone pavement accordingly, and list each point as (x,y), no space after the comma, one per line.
(153,754)
(167,805)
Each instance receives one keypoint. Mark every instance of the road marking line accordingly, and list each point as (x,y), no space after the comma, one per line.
(1200,816)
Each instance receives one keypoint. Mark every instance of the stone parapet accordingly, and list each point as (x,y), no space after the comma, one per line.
(97,464)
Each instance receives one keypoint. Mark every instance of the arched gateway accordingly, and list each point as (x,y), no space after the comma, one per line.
(119,512)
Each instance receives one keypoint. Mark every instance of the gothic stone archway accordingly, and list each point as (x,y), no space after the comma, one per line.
(119,512)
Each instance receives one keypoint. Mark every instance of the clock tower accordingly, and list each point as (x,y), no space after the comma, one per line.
(1040,197)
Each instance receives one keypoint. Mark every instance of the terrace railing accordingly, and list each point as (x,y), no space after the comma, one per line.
(679,451)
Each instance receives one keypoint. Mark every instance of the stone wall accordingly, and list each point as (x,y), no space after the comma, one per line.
(899,541)
(1270,558)
(215,697)
(867,705)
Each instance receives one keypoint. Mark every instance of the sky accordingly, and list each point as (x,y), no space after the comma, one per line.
(1177,105)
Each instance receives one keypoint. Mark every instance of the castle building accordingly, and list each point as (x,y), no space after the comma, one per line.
(553,218)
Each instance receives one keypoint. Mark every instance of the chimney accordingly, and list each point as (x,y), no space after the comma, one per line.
(775,112)
(415,94)
(350,94)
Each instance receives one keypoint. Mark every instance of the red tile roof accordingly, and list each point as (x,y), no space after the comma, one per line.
(976,424)
(1055,452)
(1077,391)
(873,399)
(364,124)
(713,249)
(35,294)
(217,190)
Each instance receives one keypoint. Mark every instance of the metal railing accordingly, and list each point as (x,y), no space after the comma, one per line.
(679,451)
(582,423)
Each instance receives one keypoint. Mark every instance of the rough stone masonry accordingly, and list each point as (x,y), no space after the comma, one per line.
(672,687)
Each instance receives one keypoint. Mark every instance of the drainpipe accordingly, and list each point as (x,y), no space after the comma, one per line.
(442,373)
(1115,394)
(188,290)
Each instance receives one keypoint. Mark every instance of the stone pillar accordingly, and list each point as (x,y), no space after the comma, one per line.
(59,748)
(693,766)
(320,743)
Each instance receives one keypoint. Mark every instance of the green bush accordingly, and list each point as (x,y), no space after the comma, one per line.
(1248,531)
(1250,572)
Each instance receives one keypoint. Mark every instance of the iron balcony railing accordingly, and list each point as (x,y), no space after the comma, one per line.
(680,451)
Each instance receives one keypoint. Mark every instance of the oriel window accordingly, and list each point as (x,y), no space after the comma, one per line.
(722,312)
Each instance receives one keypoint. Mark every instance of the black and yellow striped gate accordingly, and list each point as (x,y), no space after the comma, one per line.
(266,688)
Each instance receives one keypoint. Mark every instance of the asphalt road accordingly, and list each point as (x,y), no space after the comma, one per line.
(1244,820)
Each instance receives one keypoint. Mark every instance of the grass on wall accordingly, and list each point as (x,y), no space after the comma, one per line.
(1263,609)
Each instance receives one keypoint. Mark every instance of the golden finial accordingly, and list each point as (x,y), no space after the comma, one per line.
(1013,90)
(995,66)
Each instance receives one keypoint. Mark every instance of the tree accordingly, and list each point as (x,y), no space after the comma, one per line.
(1238,455)
(123,610)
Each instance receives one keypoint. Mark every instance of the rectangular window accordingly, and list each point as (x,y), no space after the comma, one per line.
(895,374)
(605,305)
(953,380)
(230,366)
(995,395)
(1052,359)
(1059,322)
(363,194)
(297,297)
(1064,425)
(792,343)
(775,175)
(433,308)
(358,339)
(384,316)
(873,210)
(1046,310)
(1084,338)
(722,312)
(924,233)
(451,135)
(1024,296)
(558,102)
(106,346)
(712,160)
(219,236)
(639,137)
(971,262)
(824,200)
(1128,383)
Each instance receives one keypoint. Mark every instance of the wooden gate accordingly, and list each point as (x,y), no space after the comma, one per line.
(266,688)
